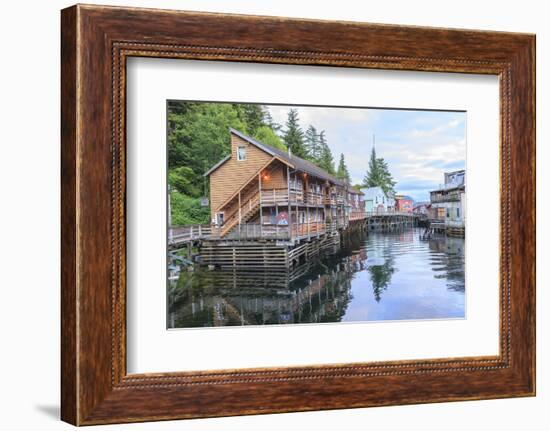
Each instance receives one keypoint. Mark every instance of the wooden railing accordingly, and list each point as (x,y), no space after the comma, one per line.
(313,198)
(358,215)
(307,229)
(280,196)
(250,231)
(241,213)
(334,199)
(181,234)
(445,197)
(389,213)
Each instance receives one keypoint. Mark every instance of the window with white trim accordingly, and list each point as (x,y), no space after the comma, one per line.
(241,153)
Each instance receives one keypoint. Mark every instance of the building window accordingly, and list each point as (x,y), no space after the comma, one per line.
(241,153)
(458,213)
(448,213)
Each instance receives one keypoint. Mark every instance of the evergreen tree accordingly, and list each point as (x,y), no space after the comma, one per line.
(293,136)
(342,173)
(252,115)
(378,174)
(266,135)
(373,177)
(326,160)
(312,144)
(388,183)
(269,122)
(380,276)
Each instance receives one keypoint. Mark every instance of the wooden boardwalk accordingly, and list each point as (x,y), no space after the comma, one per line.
(180,235)
(256,247)
(391,220)
(442,227)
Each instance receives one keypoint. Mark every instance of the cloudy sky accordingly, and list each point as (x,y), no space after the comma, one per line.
(419,146)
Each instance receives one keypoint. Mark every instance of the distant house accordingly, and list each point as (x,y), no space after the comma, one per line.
(390,202)
(355,207)
(448,202)
(421,208)
(376,200)
(404,203)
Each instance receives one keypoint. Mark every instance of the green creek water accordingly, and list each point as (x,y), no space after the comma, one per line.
(374,277)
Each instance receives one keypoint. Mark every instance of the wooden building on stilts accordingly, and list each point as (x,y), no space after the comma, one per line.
(272,209)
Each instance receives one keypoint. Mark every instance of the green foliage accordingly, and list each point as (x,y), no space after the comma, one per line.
(379,174)
(269,122)
(266,135)
(325,161)
(312,144)
(342,173)
(183,180)
(380,276)
(251,115)
(198,136)
(187,210)
(293,135)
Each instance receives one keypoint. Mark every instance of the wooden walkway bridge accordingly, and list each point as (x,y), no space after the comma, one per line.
(180,236)
(390,220)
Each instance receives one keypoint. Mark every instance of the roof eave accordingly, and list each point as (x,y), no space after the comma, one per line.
(217,165)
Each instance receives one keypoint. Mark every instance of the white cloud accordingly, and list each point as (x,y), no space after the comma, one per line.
(325,118)
(416,144)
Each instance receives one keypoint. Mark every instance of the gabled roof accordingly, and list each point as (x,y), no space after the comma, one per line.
(217,165)
(371,192)
(294,161)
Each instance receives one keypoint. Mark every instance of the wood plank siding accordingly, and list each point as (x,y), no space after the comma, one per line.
(263,191)
(232,175)
(274,176)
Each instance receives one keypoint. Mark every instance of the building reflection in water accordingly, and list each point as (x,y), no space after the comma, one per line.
(332,289)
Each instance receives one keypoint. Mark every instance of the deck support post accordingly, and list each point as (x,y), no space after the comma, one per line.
(307,221)
(240,218)
(288,198)
(260,201)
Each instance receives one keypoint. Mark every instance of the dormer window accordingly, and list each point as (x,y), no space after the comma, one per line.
(241,153)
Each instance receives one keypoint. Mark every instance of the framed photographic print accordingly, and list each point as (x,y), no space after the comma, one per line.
(258,208)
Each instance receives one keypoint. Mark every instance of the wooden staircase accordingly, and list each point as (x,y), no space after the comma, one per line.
(247,210)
